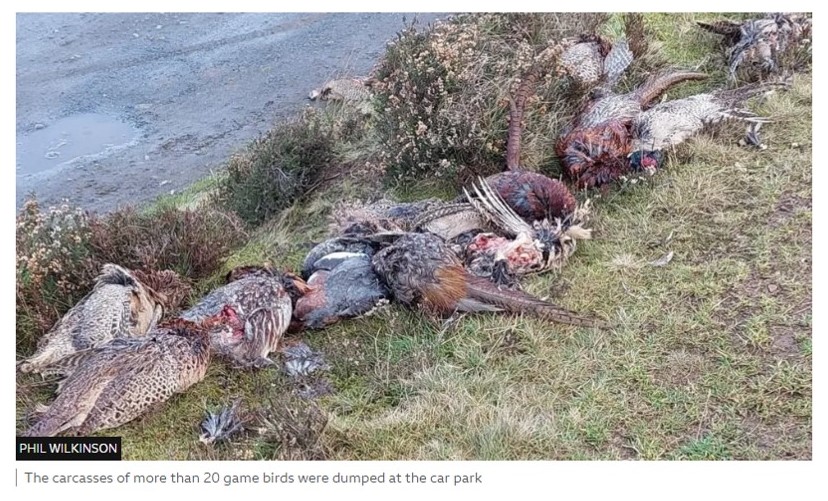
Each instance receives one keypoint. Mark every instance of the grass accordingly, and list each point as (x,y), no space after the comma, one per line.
(711,357)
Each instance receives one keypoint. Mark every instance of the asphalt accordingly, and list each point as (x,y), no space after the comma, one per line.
(116,109)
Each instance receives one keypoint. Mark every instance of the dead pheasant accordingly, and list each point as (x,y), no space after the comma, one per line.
(328,254)
(495,242)
(119,381)
(341,285)
(533,196)
(121,304)
(342,89)
(594,60)
(591,60)
(595,147)
(668,124)
(421,271)
(353,91)
(540,246)
(258,303)
(355,218)
(758,47)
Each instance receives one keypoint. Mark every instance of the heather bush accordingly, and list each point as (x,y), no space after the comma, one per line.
(54,262)
(60,251)
(277,168)
(193,243)
(443,93)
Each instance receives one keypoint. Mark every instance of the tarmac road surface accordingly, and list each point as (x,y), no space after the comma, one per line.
(116,109)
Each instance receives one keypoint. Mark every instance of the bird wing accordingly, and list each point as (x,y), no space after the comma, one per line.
(617,61)
(673,122)
(142,378)
(489,203)
(77,398)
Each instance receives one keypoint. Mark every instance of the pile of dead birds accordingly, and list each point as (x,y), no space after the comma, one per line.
(117,357)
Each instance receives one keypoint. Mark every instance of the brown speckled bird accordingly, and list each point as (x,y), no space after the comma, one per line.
(258,302)
(121,304)
(342,89)
(117,382)
(354,218)
(758,47)
(591,60)
(595,147)
(594,59)
(421,271)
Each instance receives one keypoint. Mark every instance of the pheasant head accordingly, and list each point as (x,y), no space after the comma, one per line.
(646,161)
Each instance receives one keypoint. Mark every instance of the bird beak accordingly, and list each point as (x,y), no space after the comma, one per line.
(301,285)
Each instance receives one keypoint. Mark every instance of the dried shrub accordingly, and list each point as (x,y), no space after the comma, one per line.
(55,266)
(193,243)
(61,250)
(277,168)
(443,93)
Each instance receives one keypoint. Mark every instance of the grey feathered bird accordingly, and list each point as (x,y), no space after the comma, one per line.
(342,285)
(757,47)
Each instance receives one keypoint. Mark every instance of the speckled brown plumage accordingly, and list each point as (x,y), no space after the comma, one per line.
(119,381)
(120,305)
(262,300)
(757,47)
(357,218)
(342,89)
(593,60)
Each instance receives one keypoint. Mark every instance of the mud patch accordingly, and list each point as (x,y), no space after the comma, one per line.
(784,341)
(87,136)
(789,205)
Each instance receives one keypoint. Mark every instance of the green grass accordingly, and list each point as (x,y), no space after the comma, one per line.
(188,198)
(710,357)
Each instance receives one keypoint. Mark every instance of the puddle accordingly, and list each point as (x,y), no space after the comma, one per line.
(86,136)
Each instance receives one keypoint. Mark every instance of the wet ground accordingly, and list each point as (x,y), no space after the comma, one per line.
(117,109)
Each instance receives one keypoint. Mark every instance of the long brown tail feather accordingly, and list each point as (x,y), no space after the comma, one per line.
(728,28)
(635,31)
(734,97)
(516,112)
(657,85)
(521,302)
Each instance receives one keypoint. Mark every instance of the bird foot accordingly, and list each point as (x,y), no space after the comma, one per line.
(501,275)
(752,135)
